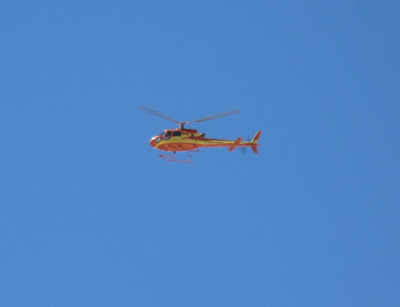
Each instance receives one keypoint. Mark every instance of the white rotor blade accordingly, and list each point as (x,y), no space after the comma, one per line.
(212,117)
(156,113)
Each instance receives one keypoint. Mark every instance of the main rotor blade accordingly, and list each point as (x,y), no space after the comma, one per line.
(212,117)
(156,113)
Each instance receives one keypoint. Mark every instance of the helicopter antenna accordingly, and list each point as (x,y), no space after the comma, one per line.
(183,123)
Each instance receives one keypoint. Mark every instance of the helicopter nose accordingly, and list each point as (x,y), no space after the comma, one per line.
(153,142)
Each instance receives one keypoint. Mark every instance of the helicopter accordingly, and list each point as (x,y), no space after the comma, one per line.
(182,139)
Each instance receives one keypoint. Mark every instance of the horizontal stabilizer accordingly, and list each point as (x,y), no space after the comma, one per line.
(237,142)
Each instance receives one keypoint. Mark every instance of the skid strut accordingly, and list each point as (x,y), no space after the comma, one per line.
(172,158)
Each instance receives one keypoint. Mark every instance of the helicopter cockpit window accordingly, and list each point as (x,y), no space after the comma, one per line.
(168,133)
(177,133)
(161,133)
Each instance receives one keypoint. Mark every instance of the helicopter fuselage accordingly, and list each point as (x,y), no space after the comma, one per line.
(190,139)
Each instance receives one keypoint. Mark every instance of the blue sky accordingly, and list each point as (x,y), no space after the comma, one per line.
(91,216)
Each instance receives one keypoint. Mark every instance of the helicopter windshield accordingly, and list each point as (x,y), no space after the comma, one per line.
(161,134)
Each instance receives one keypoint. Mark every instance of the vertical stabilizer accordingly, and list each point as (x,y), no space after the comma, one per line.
(254,142)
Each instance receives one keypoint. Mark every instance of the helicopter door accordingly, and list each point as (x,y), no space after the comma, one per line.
(167,135)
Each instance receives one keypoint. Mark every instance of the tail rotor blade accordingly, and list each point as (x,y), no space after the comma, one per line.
(243,149)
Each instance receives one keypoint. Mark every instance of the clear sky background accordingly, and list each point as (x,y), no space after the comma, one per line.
(91,216)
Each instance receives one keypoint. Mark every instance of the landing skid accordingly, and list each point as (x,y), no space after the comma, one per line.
(172,158)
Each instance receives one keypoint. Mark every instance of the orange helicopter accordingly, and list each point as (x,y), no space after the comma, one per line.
(182,139)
